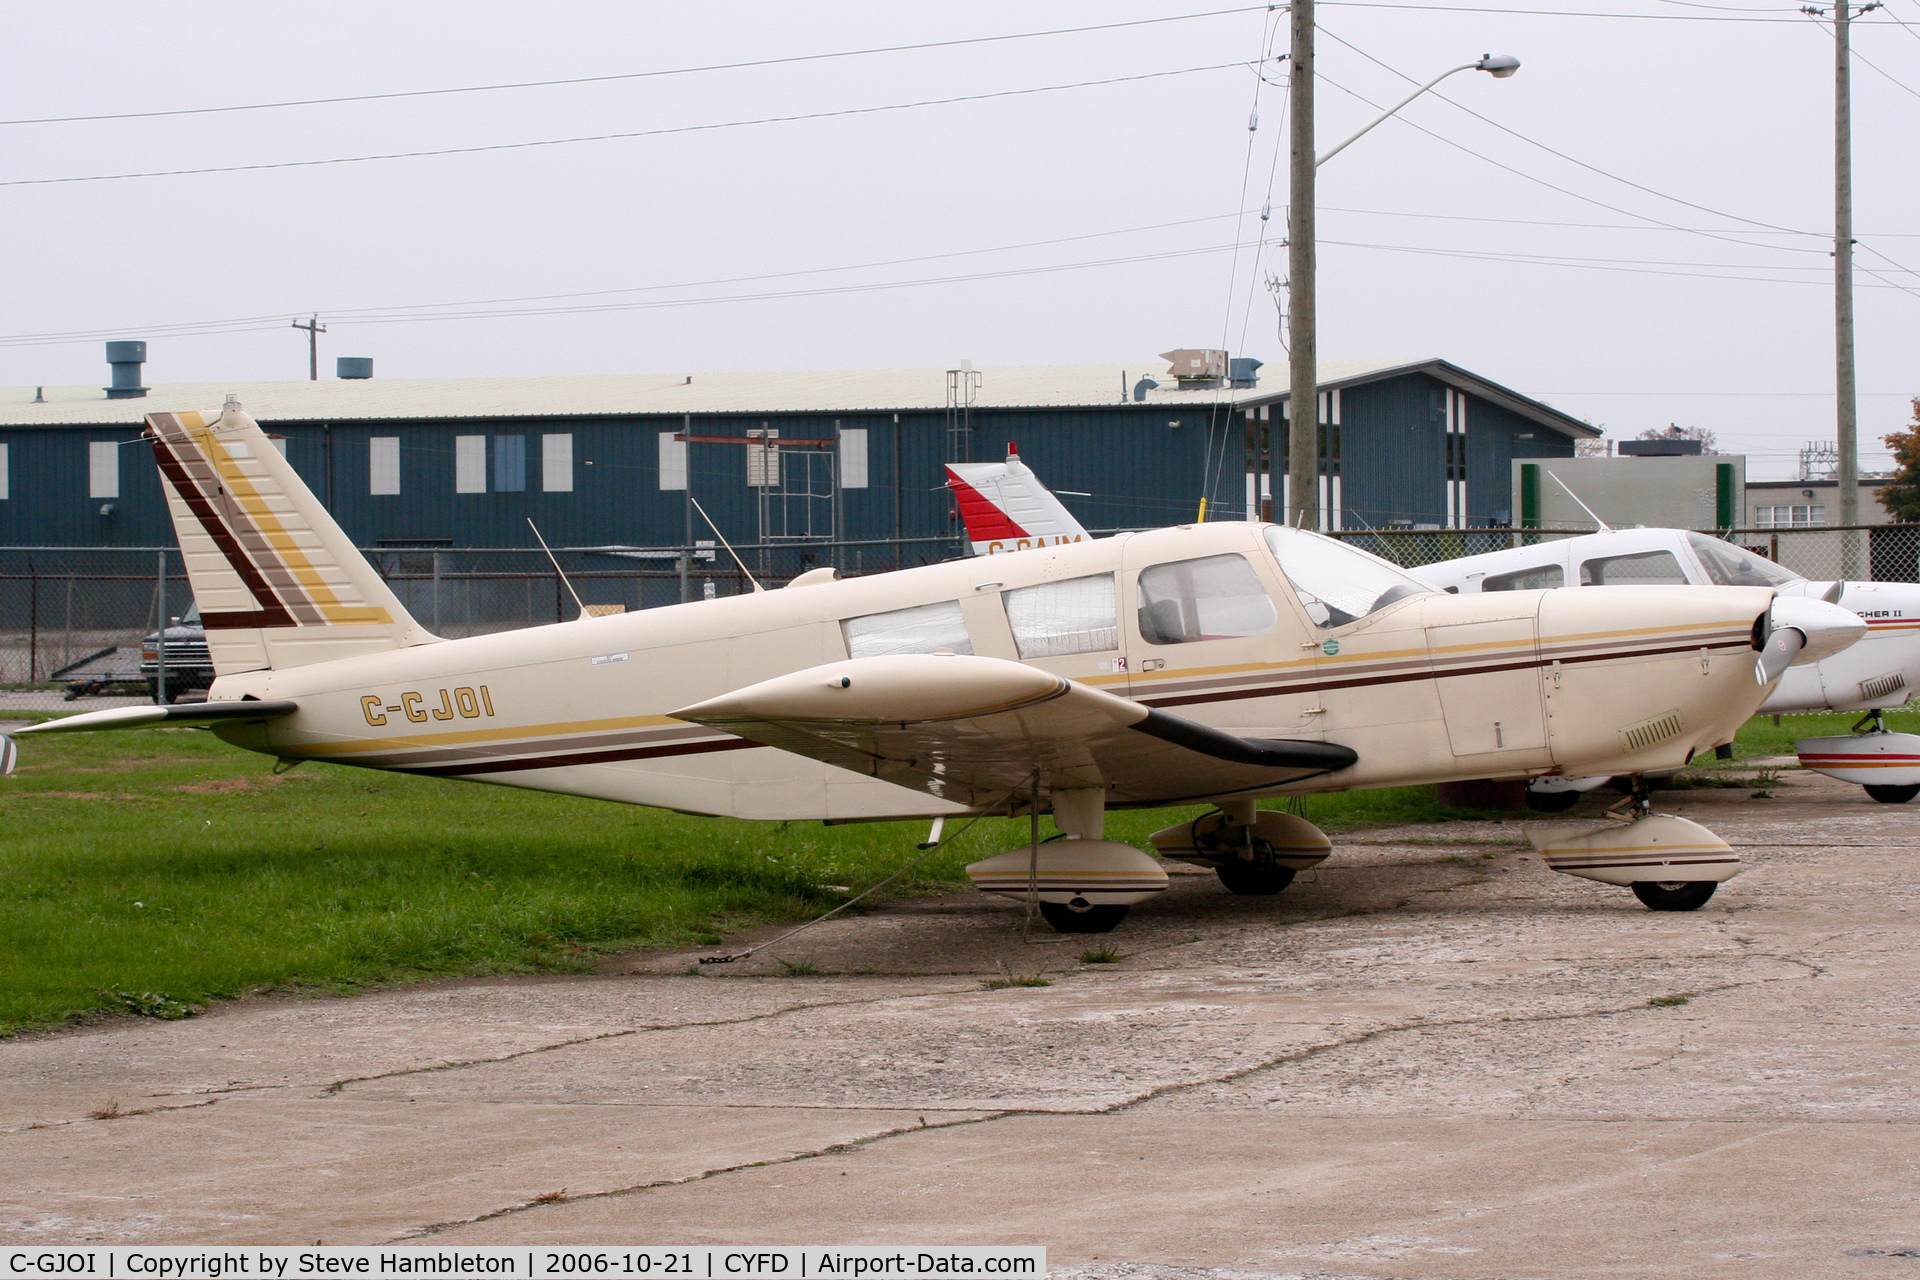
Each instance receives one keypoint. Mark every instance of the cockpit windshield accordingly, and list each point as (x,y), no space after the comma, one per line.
(1731,566)
(1337,583)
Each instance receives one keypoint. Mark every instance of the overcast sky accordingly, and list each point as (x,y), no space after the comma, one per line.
(1428,248)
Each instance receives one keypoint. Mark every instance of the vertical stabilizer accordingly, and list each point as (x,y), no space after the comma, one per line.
(279,584)
(1006,508)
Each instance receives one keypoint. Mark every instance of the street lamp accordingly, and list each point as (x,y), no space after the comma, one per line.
(1499,66)
(1303,396)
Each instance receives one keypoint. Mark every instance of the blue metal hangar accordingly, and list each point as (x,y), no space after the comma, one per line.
(779,457)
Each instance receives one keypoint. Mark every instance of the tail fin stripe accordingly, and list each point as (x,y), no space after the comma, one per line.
(272,612)
(194,452)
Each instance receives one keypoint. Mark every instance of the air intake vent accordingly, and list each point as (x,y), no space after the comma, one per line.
(1638,737)
(1881,686)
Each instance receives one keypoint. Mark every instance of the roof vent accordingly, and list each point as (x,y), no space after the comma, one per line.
(1243,371)
(353,367)
(1660,448)
(126,359)
(1196,368)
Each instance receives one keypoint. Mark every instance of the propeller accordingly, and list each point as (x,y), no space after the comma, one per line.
(1799,630)
(1777,654)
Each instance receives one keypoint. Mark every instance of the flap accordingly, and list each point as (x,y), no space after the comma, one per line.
(975,730)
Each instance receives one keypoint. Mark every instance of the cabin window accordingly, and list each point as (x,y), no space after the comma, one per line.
(923,629)
(1055,619)
(1538,578)
(1212,598)
(1731,566)
(1642,569)
(1337,583)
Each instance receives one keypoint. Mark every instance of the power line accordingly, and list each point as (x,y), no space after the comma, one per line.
(610,137)
(1582,163)
(1521,173)
(631,75)
(1542,13)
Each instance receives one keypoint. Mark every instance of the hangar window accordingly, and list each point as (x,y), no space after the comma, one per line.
(1641,569)
(1055,619)
(673,461)
(1539,578)
(383,464)
(1212,598)
(556,463)
(853,457)
(1337,583)
(922,629)
(103,469)
(5,481)
(469,464)
(509,464)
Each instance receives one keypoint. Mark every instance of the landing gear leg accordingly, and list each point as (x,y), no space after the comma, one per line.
(1639,801)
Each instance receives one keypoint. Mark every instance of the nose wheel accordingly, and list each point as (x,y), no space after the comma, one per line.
(1674,895)
(1080,916)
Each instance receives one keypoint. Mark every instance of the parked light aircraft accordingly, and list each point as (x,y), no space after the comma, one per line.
(1215,663)
(1880,672)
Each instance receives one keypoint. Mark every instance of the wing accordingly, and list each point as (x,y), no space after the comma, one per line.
(975,731)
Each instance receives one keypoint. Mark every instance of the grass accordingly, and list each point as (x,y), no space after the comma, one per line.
(1760,737)
(1105,953)
(1008,978)
(152,873)
(1667,1002)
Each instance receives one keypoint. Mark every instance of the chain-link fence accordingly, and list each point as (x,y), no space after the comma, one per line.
(79,627)
(1879,553)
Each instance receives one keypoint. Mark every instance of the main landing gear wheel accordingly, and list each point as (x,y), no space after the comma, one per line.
(1551,801)
(1086,917)
(1254,879)
(1893,795)
(1674,895)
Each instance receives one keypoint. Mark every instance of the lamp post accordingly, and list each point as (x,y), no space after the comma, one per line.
(1303,397)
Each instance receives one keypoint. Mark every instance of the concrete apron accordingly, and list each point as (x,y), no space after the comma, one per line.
(1420,1060)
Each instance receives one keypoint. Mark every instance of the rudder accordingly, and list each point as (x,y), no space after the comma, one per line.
(278,582)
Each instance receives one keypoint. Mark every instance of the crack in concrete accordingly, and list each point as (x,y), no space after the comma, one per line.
(836,1148)
(337,1086)
(117,1115)
(1289,1058)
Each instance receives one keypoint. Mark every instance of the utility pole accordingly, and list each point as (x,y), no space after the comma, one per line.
(1846,408)
(1303,397)
(314,329)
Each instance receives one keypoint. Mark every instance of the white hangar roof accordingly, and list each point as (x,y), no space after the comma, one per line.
(626,395)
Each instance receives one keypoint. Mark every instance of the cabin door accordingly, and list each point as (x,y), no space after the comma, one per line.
(1488,675)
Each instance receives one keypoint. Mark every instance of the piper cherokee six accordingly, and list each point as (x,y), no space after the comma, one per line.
(1214,664)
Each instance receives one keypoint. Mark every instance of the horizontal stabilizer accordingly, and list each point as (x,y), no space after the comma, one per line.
(192,713)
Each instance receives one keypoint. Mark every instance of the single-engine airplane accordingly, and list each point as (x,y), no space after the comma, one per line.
(1214,663)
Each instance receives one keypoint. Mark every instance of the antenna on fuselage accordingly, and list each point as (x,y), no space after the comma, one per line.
(723,542)
(557,570)
(1604,526)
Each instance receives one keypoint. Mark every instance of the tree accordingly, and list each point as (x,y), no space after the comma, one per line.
(1674,431)
(1902,497)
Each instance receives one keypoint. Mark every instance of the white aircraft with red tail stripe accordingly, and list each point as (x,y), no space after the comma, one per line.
(1006,508)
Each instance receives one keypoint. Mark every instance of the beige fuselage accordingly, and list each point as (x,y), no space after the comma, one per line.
(1432,688)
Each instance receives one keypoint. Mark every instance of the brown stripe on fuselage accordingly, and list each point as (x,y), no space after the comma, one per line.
(1407,676)
(566,759)
(272,612)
